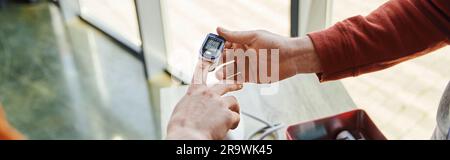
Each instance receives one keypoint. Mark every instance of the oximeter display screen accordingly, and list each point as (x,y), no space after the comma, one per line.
(212,46)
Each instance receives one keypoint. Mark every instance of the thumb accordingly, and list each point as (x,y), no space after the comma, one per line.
(242,37)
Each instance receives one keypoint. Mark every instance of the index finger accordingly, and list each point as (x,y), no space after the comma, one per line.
(201,72)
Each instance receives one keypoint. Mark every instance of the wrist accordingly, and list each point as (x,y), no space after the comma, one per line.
(186,133)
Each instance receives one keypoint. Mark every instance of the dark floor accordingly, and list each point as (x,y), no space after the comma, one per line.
(69,82)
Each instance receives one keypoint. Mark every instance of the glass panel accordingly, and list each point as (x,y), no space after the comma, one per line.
(401,100)
(116,17)
(341,9)
(188,23)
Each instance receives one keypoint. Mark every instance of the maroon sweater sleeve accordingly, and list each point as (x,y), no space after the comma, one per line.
(397,31)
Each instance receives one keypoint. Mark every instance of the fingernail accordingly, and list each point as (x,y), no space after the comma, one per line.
(223,29)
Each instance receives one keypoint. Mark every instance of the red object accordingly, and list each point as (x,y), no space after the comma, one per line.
(395,32)
(356,122)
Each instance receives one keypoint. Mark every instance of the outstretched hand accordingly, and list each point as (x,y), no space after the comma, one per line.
(204,112)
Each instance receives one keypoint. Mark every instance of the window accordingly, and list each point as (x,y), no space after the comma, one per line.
(188,23)
(115,17)
(342,9)
(401,101)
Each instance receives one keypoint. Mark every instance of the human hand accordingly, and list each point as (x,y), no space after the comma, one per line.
(204,113)
(295,55)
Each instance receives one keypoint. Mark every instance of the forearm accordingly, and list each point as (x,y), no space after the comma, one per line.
(397,31)
(178,132)
(304,57)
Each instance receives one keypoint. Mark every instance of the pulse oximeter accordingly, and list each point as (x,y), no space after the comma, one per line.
(212,49)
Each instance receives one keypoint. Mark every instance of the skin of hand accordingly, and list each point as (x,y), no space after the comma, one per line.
(296,55)
(204,113)
(7,132)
